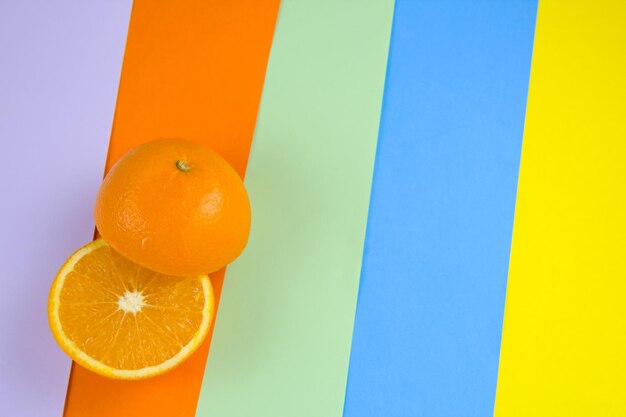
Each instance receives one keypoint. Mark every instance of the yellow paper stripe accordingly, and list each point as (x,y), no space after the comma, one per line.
(564,338)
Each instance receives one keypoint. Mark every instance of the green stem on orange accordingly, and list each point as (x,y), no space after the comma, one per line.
(182,165)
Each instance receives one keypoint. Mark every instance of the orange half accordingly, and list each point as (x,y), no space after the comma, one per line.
(124,321)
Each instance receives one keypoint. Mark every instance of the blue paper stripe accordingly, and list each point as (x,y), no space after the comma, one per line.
(429,317)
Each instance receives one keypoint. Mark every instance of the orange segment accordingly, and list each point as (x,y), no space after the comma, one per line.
(124,321)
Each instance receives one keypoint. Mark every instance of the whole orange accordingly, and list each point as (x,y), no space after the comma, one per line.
(175,207)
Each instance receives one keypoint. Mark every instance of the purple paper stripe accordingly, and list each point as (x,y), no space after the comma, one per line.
(59,71)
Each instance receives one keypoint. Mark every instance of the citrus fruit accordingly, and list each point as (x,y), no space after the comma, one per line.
(175,207)
(123,321)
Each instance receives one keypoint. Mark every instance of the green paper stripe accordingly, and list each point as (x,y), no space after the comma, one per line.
(282,339)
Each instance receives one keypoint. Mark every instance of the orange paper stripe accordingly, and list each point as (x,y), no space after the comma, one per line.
(192,69)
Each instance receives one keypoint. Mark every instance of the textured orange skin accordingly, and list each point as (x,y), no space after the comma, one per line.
(172,221)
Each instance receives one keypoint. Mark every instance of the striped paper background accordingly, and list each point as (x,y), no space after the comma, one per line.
(438,190)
